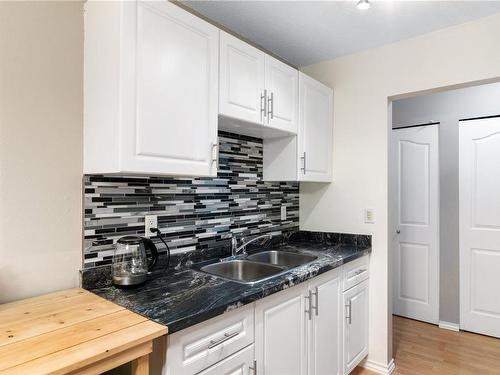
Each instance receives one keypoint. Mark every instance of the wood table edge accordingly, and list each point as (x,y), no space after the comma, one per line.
(136,351)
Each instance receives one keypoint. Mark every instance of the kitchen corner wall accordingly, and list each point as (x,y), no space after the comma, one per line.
(41,146)
(195,214)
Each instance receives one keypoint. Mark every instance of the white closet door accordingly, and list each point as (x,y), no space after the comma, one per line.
(416,252)
(480,226)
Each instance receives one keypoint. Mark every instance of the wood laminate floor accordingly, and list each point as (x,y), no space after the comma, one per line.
(424,349)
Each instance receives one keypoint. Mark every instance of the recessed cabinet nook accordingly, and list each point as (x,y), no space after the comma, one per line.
(160,82)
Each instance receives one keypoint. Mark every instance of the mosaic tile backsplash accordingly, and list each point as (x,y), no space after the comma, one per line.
(195,214)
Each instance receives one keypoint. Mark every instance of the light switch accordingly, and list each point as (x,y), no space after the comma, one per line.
(369,216)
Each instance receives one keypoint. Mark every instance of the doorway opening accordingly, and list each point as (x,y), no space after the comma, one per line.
(444,213)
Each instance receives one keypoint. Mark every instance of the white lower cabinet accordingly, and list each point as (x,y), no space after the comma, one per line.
(280,332)
(325,329)
(355,319)
(240,363)
(315,328)
(198,347)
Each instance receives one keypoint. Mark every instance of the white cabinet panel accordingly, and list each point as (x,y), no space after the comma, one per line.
(315,135)
(414,184)
(280,333)
(355,272)
(282,95)
(242,80)
(324,333)
(198,347)
(355,343)
(240,363)
(167,91)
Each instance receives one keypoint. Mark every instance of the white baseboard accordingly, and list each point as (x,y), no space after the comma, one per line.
(379,368)
(449,326)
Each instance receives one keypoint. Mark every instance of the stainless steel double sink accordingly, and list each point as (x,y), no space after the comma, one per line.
(258,267)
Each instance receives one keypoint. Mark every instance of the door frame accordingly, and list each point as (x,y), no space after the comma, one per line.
(394,215)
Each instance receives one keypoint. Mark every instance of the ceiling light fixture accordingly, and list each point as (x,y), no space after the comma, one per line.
(363,4)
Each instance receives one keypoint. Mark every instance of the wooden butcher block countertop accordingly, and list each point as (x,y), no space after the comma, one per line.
(73,332)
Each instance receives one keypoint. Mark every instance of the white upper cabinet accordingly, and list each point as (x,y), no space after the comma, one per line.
(255,87)
(242,79)
(151,90)
(282,95)
(315,135)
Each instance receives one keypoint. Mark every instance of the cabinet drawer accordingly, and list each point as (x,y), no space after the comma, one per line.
(198,347)
(354,272)
(239,363)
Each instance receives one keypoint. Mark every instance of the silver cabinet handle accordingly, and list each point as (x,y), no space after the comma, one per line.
(309,299)
(254,368)
(303,157)
(398,231)
(316,300)
(270,105)
(226,337)
(263,105)
(359,272)
(349,314)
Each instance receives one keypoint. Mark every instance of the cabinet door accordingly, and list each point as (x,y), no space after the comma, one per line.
(241,80)
(240,363)
(315,136)
(325,326)
(169,70)
(355,325)
(282,94)
(280,336)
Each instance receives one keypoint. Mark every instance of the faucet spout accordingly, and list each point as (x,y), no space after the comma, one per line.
(235,249)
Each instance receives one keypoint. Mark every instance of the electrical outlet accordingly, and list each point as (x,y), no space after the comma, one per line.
(150,221)
(369,216)
(283,213)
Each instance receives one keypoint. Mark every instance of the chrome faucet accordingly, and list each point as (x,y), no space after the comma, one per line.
(235,249)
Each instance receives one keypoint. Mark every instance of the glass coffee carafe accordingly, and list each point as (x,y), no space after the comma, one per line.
(130,261)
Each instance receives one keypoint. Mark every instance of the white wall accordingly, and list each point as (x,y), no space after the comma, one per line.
(448,108)
(41,124)
(363,82)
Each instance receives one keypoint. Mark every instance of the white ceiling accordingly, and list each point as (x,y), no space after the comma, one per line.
(306,32)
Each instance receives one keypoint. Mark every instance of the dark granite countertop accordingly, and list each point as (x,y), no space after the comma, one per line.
(180,298)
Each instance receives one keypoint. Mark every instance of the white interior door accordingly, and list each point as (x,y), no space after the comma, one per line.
(480,226)
(416,244)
